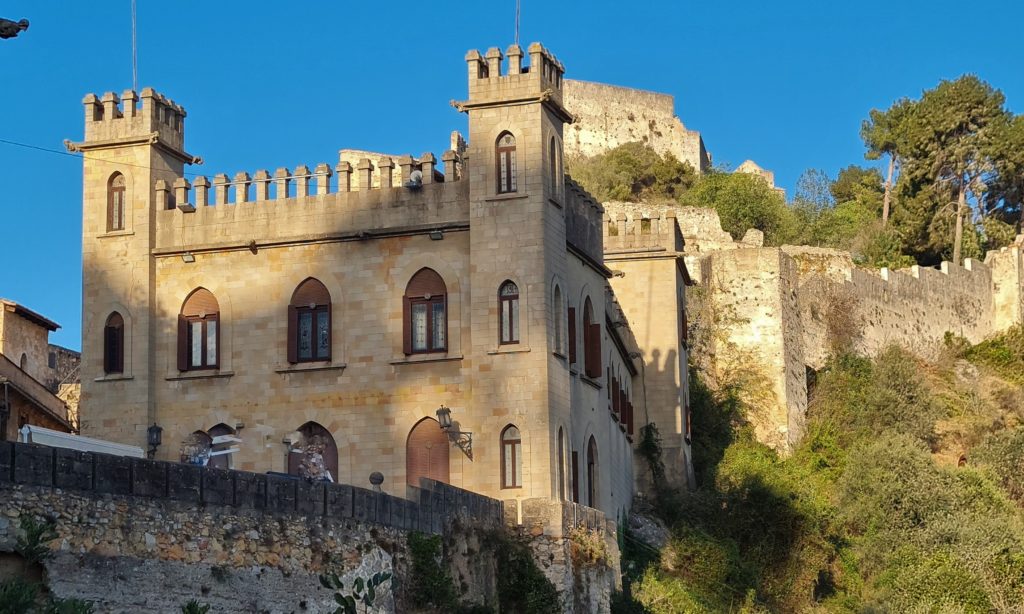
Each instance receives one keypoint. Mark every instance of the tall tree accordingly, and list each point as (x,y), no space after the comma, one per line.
(883,134)
(956,130)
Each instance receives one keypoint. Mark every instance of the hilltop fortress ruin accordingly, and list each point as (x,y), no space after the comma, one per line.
(778,310)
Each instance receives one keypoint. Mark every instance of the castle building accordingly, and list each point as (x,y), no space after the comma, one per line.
(390,315)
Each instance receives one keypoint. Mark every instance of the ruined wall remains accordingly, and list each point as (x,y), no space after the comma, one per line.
(136,535)
(753,294)
(607,116)
(787,308)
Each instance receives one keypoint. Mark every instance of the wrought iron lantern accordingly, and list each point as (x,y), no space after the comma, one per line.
(463,440)
(154,437)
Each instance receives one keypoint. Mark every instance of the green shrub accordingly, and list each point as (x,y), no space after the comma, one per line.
(1003,454)
(430,583)
(522,586)
(17,597)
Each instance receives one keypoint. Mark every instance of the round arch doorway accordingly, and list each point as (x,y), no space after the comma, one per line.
(426,453)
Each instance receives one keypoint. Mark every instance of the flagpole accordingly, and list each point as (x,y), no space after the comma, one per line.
(135,54)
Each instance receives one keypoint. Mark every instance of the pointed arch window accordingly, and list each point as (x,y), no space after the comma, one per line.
(508,303)
(505,162)
(593,476)
(309,323)
(113,344)
(556,321)
(199,332)
(553,167)
(561,464)
(511,458)
(115,202)
(591,342)
(425,317)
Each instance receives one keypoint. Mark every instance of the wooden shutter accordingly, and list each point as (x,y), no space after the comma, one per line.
(614,388)
(108,349)
(293,334)
(182,343)
(330,329)
(593,350)
(572,336)
(407,327)
(575,476)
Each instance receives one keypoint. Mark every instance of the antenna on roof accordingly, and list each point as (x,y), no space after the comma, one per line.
(135,54)
(517,22)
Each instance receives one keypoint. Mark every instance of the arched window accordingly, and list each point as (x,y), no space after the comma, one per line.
(23,363)
(556,320)
(505,162)
(309,323)
(511,458)
(199,332)
(591,342)
(592,473)
(561,464)
(315,452)
(425,317)
(113,344)
(426,453)
(508,303)
(553,169)
(115,202)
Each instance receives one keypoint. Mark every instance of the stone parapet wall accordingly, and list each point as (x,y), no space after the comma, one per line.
(135,535)
(429,510)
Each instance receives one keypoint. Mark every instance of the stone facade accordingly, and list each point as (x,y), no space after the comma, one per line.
(774,306)
(252,239)
(607,116)
(753,168)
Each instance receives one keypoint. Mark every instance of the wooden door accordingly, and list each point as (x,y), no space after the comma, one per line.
(426,453)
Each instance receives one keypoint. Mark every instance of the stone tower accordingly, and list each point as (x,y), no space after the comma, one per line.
(134,153)
(517,228)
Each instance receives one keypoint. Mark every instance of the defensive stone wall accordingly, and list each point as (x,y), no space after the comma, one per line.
(913,307)
(607,116)
(785,307)
(140,535)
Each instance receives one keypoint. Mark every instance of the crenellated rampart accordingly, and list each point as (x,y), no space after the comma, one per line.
(112,117)
(584,221)
(642,230)
(789,307)
(319,203)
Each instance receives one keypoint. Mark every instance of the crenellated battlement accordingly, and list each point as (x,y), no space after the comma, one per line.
(304,202)
(493,80)
(583,221)
(113,117)
(642,230)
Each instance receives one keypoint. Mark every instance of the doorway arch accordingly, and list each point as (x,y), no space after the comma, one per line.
(426,453)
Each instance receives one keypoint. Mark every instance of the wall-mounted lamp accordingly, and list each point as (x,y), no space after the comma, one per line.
(154,437)
(463,440)
(188,257)
(436,235)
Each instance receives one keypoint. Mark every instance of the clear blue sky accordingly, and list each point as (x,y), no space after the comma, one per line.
(270,84)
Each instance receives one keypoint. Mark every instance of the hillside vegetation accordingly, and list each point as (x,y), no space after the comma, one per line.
(905,495)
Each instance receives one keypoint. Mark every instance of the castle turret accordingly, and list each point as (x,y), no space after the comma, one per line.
(133,162)
(517,233)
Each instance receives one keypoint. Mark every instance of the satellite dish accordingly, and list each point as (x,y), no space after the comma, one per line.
(415,180)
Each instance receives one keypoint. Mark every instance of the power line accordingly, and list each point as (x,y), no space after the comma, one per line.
(311,176)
